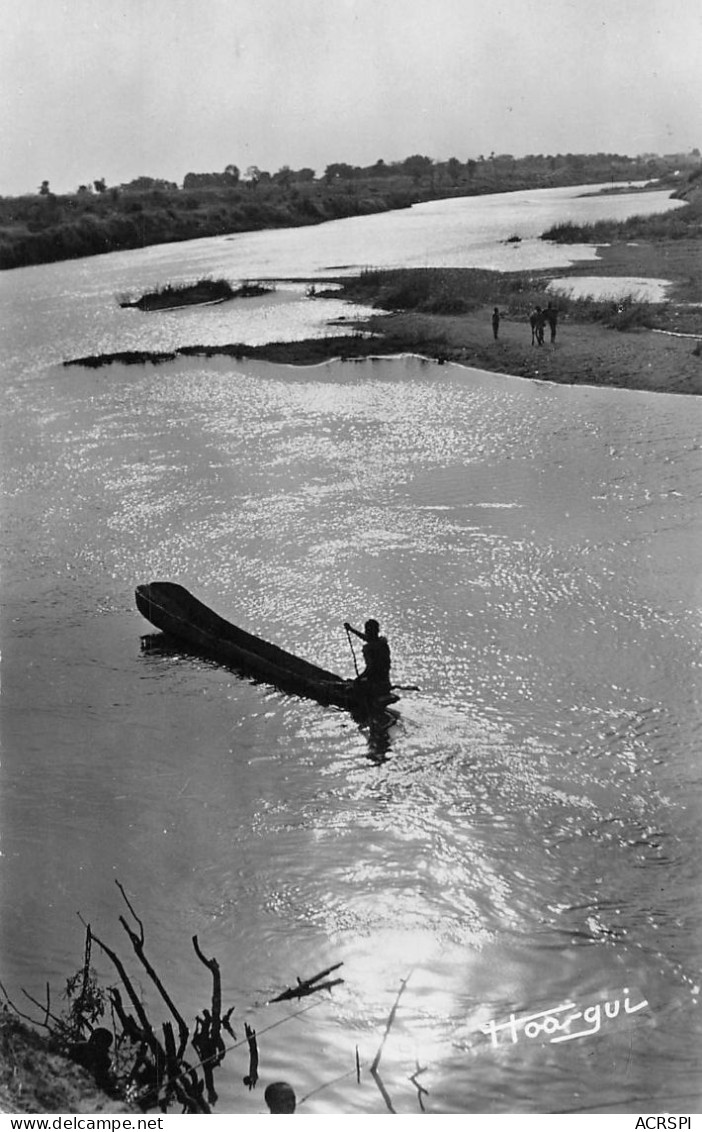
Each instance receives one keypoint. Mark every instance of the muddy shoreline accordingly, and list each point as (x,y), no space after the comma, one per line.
(582,355)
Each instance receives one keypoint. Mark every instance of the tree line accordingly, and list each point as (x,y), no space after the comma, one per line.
(46,226)
(421,169)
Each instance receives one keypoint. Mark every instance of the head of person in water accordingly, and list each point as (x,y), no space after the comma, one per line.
(280,1097)
(372,629)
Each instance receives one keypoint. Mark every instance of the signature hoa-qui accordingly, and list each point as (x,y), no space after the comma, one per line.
(555,1028)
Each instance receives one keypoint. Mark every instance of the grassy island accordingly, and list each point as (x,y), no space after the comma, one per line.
(200,293)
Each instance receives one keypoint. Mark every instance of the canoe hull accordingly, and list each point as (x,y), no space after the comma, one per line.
(186,620)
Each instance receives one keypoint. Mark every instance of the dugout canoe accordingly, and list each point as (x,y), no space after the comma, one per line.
(185,620)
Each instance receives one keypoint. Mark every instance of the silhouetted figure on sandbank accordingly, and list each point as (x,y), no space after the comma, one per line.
(551,316)
(537,319)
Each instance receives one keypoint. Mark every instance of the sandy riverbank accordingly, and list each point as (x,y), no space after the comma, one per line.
(583,353)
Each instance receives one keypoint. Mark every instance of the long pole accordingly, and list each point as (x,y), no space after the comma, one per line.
(353,654)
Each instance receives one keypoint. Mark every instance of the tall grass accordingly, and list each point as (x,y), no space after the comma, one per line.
(204,290)
(456,291)
(434,290)
(676,225)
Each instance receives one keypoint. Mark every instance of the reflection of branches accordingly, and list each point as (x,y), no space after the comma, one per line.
(356,1071)
(391,1019)
(420,1088)
(376,1060)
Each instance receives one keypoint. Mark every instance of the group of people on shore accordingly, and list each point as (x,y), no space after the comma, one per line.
(538,320)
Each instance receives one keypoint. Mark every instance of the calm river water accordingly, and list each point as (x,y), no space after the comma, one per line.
(530,839)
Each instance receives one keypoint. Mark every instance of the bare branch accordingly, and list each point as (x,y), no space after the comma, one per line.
(48,1013)
(252,1078)
(138,945)
(227,1024)
(18,1012)
(213,966)
(86,962)
(131,909)
(146,1027)
(208,1035)
(40,1006)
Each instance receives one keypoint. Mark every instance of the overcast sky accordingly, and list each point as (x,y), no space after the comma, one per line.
(120,88)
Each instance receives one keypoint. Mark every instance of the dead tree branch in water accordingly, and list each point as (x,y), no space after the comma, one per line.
(158,1072)
(252,1078)
(146,1064)
(306,986)
(138,945)
(207,1039)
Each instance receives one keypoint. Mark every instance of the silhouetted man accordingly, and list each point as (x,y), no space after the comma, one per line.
(551,316)
(376,653)
(537,318)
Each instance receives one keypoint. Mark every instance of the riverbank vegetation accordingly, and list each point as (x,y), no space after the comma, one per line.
(102,1047)
(683,223)
(663,246)
(98,218)
(462,291)
(106,1050)
(445,314)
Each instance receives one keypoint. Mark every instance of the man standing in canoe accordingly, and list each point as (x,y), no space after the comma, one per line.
(376,653)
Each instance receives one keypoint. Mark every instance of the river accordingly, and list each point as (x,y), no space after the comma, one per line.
(530,838)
